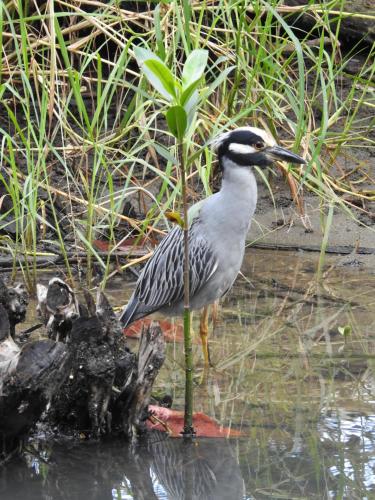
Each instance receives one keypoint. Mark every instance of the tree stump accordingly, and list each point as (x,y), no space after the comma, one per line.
(82,379)
(15,301)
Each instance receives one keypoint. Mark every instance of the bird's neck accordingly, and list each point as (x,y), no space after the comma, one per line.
(238,183)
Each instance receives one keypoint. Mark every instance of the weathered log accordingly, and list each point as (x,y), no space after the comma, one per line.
(57,307)
(134,399)
(334,249)
(88,378)
(7,263)
(4,323)
(15,301)
(107,382)
(28,377)
(9,351)
(97,345)
(42,367)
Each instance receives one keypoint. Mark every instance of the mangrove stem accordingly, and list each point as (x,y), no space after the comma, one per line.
(188,431)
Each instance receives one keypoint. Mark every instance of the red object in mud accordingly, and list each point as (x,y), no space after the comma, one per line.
(132,244)
(173,332)
(173,423)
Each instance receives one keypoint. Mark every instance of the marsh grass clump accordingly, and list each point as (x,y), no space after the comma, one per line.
(85,154)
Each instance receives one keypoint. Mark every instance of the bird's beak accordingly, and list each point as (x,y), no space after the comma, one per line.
(279,153)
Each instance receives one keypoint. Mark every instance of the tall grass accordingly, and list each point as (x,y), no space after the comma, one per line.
(82,132)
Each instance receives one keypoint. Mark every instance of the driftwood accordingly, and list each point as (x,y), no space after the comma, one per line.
(335,249)
(58,308)
(28,376)
(9,350)
(83,379)
(52,259)
(28,388)
(132,402)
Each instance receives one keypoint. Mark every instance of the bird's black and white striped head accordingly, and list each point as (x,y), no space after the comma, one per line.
(250,146)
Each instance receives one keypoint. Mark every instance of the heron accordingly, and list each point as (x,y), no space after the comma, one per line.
(218,226)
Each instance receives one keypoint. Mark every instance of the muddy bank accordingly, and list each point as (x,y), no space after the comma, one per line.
(281,227)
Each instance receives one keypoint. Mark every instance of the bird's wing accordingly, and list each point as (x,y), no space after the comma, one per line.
(161,282)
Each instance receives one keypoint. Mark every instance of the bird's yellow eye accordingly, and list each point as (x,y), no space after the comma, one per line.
(259,145)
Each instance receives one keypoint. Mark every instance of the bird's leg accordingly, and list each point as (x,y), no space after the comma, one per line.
(203,331)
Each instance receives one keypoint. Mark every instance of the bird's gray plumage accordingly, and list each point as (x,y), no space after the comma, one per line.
(217,232)
(158,286)
(214,265)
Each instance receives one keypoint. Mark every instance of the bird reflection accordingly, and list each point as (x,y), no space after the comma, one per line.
(158,468)
(204,470)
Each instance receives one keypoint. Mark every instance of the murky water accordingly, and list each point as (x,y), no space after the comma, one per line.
(294,370)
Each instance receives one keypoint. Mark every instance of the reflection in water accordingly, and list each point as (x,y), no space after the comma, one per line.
(334,460)
(161,468)
(302,392)
(354,437)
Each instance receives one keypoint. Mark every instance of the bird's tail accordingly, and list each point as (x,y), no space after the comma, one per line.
(126,315)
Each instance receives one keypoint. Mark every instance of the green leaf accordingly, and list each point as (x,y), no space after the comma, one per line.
(160,76)
(158,32)
(157,73)
(223,75)
(177,121)
(345,331)
(141,54)
(191,104)
(188,92)
(194,67)
(165,153)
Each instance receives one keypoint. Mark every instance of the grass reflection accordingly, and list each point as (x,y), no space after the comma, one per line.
(301,391)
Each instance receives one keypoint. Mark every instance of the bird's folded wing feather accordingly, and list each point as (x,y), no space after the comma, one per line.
(161,282)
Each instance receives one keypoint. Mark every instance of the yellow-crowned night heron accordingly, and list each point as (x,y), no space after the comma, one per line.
(218,226)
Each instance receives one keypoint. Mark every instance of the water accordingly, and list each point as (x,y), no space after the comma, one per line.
(302,393)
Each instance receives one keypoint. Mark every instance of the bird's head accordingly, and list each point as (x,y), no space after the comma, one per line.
(250,146)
